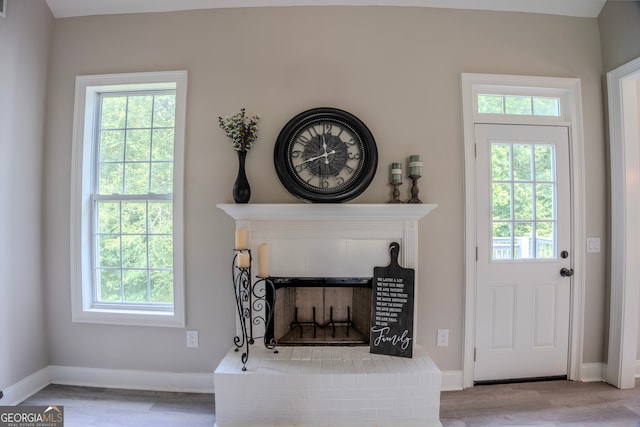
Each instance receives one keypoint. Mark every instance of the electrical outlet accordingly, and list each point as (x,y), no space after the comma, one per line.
(443,338)
(192,339)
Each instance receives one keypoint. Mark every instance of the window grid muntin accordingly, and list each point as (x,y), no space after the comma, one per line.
(512,222)
(121,197)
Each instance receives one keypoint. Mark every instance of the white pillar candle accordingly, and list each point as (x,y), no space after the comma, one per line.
(244,260)
(241,238)
(263,260)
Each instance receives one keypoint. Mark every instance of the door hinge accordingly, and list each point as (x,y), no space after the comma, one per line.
(476,253)
(475,150)
(475,352)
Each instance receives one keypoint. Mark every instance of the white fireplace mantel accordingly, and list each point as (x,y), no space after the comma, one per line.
(327,212)
(359,222)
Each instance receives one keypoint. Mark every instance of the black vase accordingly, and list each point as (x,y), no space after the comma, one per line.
(241,188)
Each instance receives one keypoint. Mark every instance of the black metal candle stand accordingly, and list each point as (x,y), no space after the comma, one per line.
(255,304)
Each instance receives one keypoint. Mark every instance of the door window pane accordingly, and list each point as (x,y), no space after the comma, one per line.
(523,201)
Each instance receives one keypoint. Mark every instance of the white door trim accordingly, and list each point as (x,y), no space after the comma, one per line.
(569,91)
(622,85)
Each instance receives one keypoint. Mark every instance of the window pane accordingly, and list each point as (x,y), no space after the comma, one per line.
(161,178)
(134,251)
(134,217)
(109,251)
(544,201)
(164,111)
(523,201)
(109,217)
(160,252)
(114,112)
(136,178)
(501,200)
(112,146)
(139,111)
(110,285)
(160,218)
(162,145)
(138,145)
(161,282)
(523,240)
(500,162)
(544,163)
(490,104)
(501,239)
(517,105)
(545,240)
(135,285)
(546,106)
(522,163)
(110,179)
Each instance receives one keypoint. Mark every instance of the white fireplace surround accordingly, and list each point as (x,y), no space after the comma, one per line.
(329,386)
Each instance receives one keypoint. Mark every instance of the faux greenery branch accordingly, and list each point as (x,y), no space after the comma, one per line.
(242,130)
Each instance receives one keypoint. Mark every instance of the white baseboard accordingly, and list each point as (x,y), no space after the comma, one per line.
(18,392)
(591,372)
(451,380)
(185,382)
(133,379)
(108,378)
(594,372)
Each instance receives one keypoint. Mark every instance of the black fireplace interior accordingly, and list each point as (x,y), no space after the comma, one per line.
(321,311)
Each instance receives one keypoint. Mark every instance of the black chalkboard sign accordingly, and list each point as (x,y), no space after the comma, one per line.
(392,309)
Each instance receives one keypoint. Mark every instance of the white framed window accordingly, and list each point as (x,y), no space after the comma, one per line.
(516,104)
(127,257)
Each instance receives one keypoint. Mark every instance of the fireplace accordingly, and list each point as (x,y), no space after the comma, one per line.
(322,256)
(321,311)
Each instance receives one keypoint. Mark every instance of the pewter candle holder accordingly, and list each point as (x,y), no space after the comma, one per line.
(396,193)
(414,189)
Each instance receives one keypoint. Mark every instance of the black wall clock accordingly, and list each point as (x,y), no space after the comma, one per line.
(325,155)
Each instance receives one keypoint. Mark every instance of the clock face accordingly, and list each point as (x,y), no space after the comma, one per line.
(325,155)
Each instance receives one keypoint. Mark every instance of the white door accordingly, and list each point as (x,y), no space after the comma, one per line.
(523,243)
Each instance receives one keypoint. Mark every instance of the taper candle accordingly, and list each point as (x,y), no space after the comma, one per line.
(263,260)
(241,238)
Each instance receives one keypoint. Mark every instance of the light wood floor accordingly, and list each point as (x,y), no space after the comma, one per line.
(90,406)
(550,403)
(553,403)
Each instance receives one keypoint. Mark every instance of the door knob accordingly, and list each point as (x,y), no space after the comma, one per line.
(566,272)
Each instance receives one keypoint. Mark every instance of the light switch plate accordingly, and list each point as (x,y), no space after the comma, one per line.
(593,245)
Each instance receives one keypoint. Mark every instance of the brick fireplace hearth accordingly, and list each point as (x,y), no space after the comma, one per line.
(320,386)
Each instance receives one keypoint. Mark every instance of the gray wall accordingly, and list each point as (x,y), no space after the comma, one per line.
(398,69)
(619,23)
(25,35)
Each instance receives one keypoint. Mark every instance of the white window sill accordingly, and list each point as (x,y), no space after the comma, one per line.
(129,317)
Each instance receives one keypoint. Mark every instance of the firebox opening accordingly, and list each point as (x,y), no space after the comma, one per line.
(322,311)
